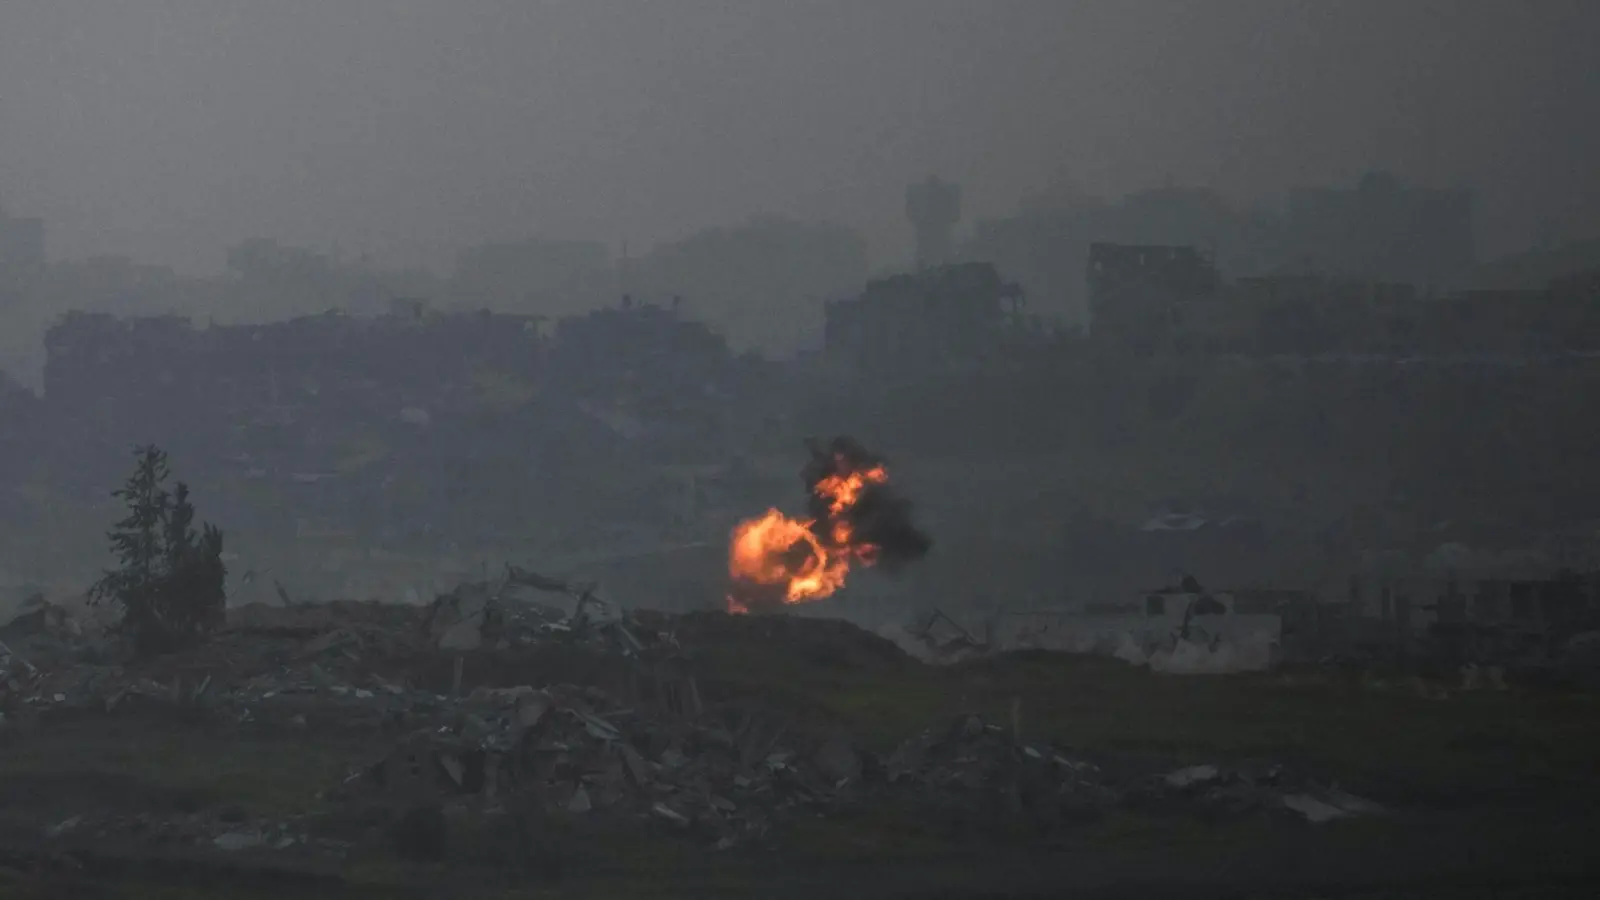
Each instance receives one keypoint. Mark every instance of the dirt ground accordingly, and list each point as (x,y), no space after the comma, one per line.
(1487,794)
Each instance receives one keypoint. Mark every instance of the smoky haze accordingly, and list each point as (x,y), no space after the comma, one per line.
(618,258)
(707,442)
(168,131)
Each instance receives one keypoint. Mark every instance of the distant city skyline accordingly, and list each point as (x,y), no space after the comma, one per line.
(168,130)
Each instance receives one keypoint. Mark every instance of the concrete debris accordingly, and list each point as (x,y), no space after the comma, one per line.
(338,639)
(531,711)
(733,782)
(1254,788)
(635,765)
(10,659)
(275,656)
(452,767)
(942,640)
(650,746)
(597,726)
(668,813)
(460,619)
(1213,657)
(1193,775)
(37,617)
(580,802)
(973,772)
(1330,806)
(223,829)
(555,751)
(238,840)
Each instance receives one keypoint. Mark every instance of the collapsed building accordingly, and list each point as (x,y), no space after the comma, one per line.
(21,256)
(643,351)
(21,246)
(1506,615)
(933,207)
(1380,229)
(1141,296)
(106,363)
(413,422)
(1385,231)
(949,317)
(1172,299)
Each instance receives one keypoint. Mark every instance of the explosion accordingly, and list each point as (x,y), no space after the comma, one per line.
(855,518)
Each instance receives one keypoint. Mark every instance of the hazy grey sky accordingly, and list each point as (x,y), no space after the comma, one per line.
(168,129)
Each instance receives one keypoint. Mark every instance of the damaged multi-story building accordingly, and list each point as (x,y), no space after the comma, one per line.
(415,421)
(1144,297)
(21,255)
(943,318)
(1383,230)
(933,207)
(1172,299)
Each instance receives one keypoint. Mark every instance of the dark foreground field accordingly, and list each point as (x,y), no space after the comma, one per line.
(1484,794)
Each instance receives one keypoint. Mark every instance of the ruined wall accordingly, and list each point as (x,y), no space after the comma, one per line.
(1384,230)
(138,366)
(945,318)
(1140,296)
(438,427)
(21,252)
(1169,299)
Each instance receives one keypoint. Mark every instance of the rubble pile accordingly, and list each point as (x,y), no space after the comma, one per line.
(832,643)
(642,745)
(972,767)
(224,829)
(1248,789)
(570,749)
(728,784)
(562,750)
(317,653)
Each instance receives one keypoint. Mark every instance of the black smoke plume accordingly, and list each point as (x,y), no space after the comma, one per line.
(881,517)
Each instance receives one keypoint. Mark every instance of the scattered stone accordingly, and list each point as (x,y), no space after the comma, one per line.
(452,767)
(597,726)
(656,749)
(1315,811)
(238,840)
(580,802)
(1357,806)
(668,813)
(1192,776)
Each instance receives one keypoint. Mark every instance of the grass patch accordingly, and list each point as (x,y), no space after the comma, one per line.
(1391,738)
(268,775)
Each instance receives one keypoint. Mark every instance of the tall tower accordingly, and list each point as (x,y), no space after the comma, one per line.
(933,209)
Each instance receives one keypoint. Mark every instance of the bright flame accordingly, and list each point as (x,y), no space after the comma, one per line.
(844,491)
(777,551)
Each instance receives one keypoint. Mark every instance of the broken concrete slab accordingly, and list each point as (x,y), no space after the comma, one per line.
(1192,776)
(239,840)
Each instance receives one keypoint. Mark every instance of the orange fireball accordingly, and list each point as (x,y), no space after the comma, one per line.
(777,551)
(797,557)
